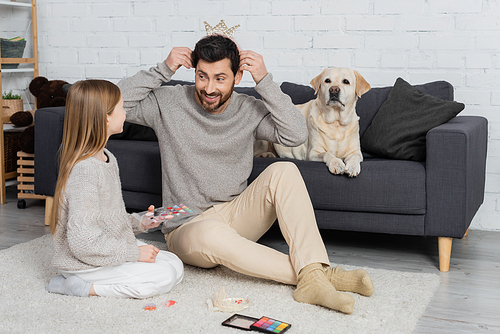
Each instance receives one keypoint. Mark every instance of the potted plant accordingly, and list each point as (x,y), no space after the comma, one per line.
(11,104)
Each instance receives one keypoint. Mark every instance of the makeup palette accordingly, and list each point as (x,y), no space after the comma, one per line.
(268,325)
(171,214)
(240,321)
(264,324)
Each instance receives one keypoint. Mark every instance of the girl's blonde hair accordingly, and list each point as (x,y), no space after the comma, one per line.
(85,129)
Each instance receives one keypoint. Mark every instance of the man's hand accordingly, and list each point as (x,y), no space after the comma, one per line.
(147,253)
(179,56)
(254,63)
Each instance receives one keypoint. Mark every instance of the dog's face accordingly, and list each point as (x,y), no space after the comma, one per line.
(339,87)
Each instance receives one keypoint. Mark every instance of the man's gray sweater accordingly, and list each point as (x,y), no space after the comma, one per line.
(207,158)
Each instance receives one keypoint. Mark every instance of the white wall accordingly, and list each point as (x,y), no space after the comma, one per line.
(419,40)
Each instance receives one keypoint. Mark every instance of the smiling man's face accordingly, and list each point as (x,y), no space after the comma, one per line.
(214,84)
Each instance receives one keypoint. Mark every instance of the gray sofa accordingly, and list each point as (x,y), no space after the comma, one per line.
(437,197)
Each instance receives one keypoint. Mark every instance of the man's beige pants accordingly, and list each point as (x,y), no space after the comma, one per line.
(226,233)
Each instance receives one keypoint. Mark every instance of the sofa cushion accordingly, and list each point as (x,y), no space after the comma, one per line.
(133,131)
(250,91)
(300,94)
(177,82)
(399,128)
(134,156)
(385,186)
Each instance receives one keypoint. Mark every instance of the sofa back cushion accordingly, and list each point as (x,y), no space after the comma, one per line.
(399,129)
(300,94)
(139,164)
(133,131)
(369,104)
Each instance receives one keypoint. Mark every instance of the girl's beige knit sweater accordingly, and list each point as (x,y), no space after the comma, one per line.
(94,229)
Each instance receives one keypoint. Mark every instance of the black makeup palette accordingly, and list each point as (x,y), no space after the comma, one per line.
(264,324)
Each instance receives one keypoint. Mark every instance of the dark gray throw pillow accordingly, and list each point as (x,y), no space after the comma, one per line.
(399,128)
(299,94)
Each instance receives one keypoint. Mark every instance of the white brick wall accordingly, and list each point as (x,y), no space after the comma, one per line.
(419,40)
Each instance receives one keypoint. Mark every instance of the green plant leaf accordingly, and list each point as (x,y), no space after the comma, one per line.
(10,96)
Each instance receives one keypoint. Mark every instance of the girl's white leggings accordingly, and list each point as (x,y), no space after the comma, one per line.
(135,279)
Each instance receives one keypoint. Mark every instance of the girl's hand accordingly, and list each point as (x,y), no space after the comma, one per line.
(147,253)
(149,220)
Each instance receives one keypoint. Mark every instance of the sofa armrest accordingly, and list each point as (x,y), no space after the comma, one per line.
(455,172)
(49,124)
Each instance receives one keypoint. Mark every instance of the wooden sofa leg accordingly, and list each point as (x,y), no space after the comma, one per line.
(444,245)
(48,209)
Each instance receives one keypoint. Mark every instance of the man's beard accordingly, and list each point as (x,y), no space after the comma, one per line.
(213,107)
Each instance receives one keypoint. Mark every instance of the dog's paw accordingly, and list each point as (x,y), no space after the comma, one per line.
(353,170)
(334,164)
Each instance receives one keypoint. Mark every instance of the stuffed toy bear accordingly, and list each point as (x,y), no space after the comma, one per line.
(26,141)
(21,118)
(48,93)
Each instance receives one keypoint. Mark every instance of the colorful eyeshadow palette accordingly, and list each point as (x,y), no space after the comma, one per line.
(268,325)
(264,324)
(172,213)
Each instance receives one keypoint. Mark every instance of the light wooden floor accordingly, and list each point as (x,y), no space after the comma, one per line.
(468,300)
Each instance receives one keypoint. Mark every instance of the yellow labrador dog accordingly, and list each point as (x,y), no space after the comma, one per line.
(332,122)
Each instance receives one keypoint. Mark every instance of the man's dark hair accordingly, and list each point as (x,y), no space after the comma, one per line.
(214,48)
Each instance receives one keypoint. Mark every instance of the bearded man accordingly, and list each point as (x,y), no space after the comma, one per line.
(206,134)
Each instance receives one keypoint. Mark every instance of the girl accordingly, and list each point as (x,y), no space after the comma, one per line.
(94,237)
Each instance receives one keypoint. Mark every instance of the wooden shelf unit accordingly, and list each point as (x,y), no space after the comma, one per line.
(34,60)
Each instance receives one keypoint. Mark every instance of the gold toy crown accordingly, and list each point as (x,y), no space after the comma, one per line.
(220,29)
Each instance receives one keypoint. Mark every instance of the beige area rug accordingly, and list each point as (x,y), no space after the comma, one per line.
(25,307)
